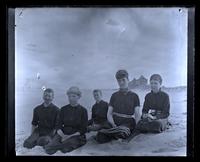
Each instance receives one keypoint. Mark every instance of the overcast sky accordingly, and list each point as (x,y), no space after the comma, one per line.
(86,46)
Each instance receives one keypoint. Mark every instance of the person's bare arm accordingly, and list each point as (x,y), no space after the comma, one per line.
(151,116)
(144,115)
(60,133)
(54,131)
(137,114)
(68,136)
(64,136)
(110,117)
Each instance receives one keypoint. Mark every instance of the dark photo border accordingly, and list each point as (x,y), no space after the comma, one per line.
(9,63)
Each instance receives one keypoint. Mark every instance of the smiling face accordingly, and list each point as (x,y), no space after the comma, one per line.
(48,97)
(155,85)
(73,98)
(123,83)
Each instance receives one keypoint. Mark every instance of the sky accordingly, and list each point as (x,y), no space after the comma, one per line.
(84,47)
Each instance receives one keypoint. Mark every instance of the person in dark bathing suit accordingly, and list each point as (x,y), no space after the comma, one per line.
(43,122)
(123,105)
(71,125)
(99,113)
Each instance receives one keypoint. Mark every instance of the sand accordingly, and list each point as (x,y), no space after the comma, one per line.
(172,142)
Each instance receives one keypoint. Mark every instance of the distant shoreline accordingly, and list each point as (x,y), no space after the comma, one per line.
(147,87)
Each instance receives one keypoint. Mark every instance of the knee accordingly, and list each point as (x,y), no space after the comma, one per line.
(107,125)
(102,138)
(142,126)
(67,149)
(83,141)
(157,127)
(140,123)
(50,151)
(43,141)
(28,144)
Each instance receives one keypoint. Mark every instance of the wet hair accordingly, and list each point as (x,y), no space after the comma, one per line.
(156,77)
(74,90)
(97,90)
(121,74)
(48,90)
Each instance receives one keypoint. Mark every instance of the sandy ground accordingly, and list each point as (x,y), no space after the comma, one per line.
(172,142)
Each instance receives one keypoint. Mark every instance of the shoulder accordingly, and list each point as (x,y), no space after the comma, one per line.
(54,107)
(164,94)
(64,107)
(115,94)
(38,107)
(148,95)
(93,106)
(104,102)
(83,109)
(135,95)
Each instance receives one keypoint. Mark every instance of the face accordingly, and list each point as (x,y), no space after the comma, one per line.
(48,97)
(155,85)
(97,96)
(73,98)
(123,82)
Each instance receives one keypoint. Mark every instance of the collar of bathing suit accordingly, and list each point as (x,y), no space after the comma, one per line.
(124,91)
(47,106)
(98,102)
(157,92)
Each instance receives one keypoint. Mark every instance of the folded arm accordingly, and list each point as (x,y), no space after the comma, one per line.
(110,116)
(64,136)
(137,114)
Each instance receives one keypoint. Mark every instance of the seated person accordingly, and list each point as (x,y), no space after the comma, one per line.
(71,125)
(99,113)
(44,122)
(123,105)
(156,108)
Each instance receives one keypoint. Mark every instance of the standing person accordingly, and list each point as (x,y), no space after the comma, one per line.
(99,113)
(123,105)
(43,122)
(71,126)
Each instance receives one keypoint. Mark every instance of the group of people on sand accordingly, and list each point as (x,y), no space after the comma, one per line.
(65,128)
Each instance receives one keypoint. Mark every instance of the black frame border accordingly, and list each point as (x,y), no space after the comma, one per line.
(10,57)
